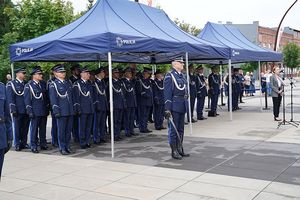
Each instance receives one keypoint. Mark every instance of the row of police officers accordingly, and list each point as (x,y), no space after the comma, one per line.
(79,105)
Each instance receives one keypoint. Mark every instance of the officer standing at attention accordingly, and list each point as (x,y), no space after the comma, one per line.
(84,100)
(176,101)
(193,90)
(75,71)
(119,103)
(144,90)
(131,104)
(37,107)
(214,90)
(201,93)
(5,126)
(61,99)
(54,137)
(101,106)
(159,103)
(15,98)
(239,89)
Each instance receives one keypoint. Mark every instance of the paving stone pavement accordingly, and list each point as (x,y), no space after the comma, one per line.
(247,158)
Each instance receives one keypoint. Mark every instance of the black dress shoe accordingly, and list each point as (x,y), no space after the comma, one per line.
(151,121)
(24,146)
(128,135)
(185,123)
(55,145)
(83,146)
(64,153)
(45,148)
(163,128)
(18,148)
(193,121)
(70,151)
(143,131)
(34,150)
(88,145)
(202,118)
(158,129)
(103,141)
(134,134)
(148,131)
(97,143)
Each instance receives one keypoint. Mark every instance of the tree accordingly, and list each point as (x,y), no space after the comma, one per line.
(4,21)
(250,66)
(291,56)
(187,27)
(29,19)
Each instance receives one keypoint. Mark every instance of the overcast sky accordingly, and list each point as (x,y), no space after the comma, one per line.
(198,12)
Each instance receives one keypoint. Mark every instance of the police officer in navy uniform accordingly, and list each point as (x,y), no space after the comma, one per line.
(84,101)
(101,106)
(214,91)
(119,103)
(176,106)
(201,92)
(193,90)
(131,104)
(5,126)
(54,137)
(144,90)
(75,71)
(158,100)
(236,90)
(61,99)
(15,97)
(37,107)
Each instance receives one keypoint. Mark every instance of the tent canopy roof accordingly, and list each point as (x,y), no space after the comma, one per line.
(133,32)
(242,50)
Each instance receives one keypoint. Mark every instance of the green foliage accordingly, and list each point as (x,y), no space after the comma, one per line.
(291,55)
(250,66)
(187,27)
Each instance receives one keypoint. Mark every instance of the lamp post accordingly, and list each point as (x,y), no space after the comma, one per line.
(277,33)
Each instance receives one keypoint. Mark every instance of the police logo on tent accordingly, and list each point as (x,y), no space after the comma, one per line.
(235,53)
(121,42)
(20,51)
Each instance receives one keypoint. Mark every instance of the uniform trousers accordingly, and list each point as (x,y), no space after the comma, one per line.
(38,129)
(178,119)
(64,129)
(99,126)
(85,128)
(21,125)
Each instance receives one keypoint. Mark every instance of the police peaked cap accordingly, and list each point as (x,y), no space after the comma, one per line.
(20,70)
(59,68)
(36,70)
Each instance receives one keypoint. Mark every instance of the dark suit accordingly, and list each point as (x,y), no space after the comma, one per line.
(159,103)
(201,94)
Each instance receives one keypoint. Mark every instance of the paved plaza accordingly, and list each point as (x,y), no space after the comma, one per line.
(247,158)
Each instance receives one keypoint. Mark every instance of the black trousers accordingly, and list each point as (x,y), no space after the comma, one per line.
(276,105)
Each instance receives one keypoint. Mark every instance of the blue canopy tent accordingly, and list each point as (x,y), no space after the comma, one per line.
(131,31)
(241,49)
(120,31)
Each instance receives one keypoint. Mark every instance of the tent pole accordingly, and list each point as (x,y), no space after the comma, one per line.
(230,90)
(259,78)
(188,86)
(111,106)
(12,71)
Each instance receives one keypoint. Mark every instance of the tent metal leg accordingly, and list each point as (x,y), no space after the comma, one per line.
(188,86)
(111,106)
(230,89)
(260,91)
(12,71)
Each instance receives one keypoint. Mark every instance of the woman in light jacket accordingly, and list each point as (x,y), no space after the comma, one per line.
(277,89)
